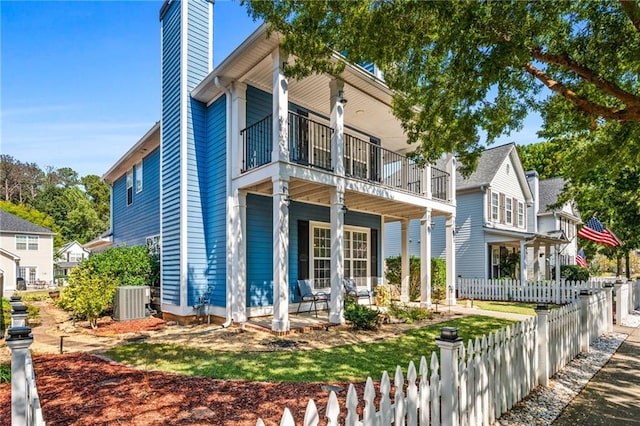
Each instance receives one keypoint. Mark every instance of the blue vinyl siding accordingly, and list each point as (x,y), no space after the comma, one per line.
(471,247)
(171,155)
(215,235)
(259,105)
(132,224)
(260,243)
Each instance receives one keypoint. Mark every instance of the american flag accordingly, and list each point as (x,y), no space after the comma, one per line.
(594,230)
(581,260)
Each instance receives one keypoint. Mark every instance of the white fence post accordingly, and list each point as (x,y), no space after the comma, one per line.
(449,344)
(542,311)
(585,299)
(622,307)
(19,340)
(631,293)
(608,292)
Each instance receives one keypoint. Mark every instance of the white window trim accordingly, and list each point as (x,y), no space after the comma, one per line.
(315,224)
(520,216)
(28,240)
(129,185)
(495,218)
(508,210)
(138,177)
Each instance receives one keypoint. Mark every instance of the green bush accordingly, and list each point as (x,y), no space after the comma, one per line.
(438,274)
(409,313)
(6,313)
(361,317)
(92,285)
(383,294)
(572,273)
(5,373)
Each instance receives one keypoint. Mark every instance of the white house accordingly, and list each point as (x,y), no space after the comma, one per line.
(68,257)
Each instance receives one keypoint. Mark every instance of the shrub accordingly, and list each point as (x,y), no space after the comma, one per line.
(5,373)
(572,273)
(383,294)
(6,313)
(393,274)
(92,285)
(409,313)
(361,317)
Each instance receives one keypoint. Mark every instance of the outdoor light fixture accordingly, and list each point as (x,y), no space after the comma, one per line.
(341,97)
(449,334)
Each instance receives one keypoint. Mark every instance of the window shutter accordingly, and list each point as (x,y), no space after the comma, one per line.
(303,249)
(501,208)
(374,256)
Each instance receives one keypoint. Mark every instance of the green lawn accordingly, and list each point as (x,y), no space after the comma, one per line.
(344,363)
(511,307)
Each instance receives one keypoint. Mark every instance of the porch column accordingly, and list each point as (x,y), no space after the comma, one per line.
(238,122)
(404,261)
(451,169)
(337,100)
(336,313)
(536,262)
(426,179)
(280,117)
(557,251)
(425,258)
(239,269)
(547,262)
(280,255)
(523,262)
(450,248)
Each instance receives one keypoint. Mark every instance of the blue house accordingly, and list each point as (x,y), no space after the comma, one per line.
(505,225)
(252,181)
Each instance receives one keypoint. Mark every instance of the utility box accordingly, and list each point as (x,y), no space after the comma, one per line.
(131,302)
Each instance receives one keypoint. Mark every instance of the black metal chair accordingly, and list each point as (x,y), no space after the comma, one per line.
(308,295)
(351,289)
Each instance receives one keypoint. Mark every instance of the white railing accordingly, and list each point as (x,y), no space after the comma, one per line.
(477,384)
(25,403)
(530,291)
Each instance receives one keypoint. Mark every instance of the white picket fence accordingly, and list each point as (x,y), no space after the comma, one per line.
(476,384)
(530,291)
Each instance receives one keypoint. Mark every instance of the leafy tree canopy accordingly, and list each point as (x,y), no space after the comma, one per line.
(34,216)
(464,69)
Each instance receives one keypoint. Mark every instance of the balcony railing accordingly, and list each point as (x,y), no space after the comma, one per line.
(310,145)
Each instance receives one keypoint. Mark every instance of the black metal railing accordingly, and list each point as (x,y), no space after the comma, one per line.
(309,142)
(257,144)
(439,184)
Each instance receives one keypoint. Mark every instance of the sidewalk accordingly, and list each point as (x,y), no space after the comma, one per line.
(612,396)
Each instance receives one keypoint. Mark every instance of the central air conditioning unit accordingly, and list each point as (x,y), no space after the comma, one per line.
(131,302)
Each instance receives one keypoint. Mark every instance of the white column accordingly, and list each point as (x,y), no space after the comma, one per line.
(547,262)
(557,252)
(238,122)
(536,262)
(523,262)
(425,259)
(426,179)
(336,314)
(280,115)
(543,345)
(337,101)
(451,169)
(280,255)
(449,344)
(404,261)
(239,270)
(450,248)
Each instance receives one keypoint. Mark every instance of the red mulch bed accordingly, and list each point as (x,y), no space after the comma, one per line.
(83,389)
(113,328)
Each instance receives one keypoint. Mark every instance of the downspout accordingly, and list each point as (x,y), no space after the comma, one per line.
(227,92)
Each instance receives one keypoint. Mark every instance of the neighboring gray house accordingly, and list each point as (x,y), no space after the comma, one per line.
(496,224)
(26,252)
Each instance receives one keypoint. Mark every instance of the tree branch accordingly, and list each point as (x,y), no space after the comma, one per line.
(564,61)
(632,10)
(632,113)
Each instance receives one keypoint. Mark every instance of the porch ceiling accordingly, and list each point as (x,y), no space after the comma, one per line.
(316,193)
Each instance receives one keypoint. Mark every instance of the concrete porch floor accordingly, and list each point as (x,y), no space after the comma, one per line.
(299,322)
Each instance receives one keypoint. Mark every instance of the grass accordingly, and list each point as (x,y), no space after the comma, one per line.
(344,363)
(510,307)
(33,295)
(5,373)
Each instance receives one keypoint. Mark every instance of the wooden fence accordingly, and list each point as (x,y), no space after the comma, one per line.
(530,291)
(474,384)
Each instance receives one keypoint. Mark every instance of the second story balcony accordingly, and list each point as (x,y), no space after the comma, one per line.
(310,145)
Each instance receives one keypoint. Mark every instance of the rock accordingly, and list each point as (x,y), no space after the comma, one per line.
(202,413)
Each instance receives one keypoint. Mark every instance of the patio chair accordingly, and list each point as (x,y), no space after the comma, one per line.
(308,295)
(351,289)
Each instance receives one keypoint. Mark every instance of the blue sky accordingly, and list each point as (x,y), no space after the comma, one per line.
(80,80)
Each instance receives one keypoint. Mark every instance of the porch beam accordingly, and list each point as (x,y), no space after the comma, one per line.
(425,259)
(280,108)
(404,261)
(280,228)
(450,249)
(336,307)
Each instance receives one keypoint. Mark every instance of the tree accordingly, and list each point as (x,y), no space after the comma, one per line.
(20,181)
(99,193)
(34,216)
(466,68)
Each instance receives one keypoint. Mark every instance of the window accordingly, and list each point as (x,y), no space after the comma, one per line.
(26,242)
(494,206)
(138,169)
(509,210)
(356,255)
(29,273)
(520,214)
(130,187)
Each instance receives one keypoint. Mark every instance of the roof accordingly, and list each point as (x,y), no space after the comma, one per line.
(12,223)
(488,164)
(142,148)
(549,191)
(69,245)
